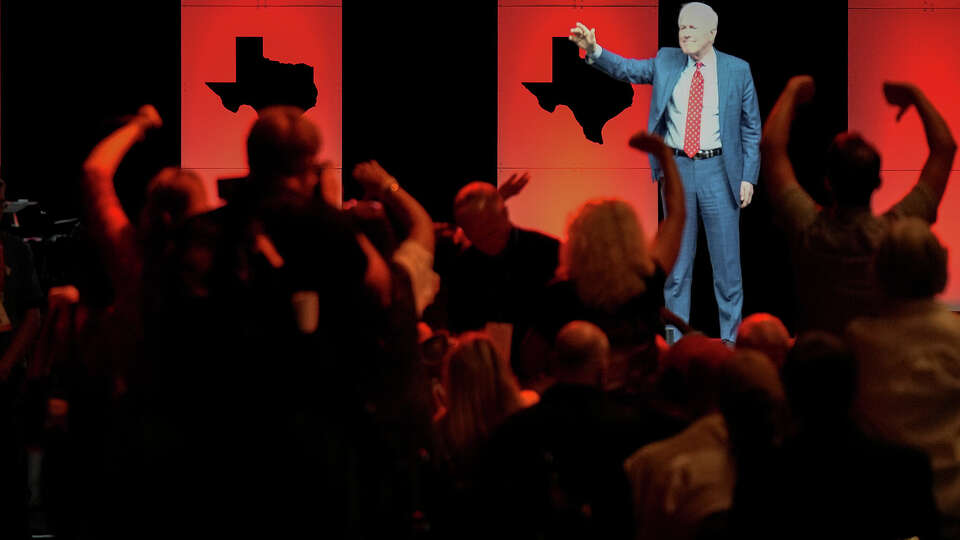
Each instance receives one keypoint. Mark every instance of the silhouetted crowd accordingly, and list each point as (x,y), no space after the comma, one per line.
(287,366)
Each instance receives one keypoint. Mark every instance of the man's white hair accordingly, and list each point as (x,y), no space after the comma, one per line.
(701,9)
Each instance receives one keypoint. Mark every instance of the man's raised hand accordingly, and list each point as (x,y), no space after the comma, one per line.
(585,38)
(900,94)
(514,185)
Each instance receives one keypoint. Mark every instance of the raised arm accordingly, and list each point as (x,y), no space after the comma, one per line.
(666,245)
(936,170)
(105,215)
(775,166)
(625,69)
(379,184)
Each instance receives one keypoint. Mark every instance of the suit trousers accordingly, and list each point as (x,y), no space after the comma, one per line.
(708,198)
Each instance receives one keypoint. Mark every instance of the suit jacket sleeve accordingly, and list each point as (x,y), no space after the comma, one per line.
(750,130)
(625,69)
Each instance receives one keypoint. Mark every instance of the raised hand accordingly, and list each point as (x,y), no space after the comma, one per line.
(513,185)
(802,87)
(647,142)
(148,117)
(585,38)
(372,176)
(900,94)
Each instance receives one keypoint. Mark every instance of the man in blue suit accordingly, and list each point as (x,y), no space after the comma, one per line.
(704,105)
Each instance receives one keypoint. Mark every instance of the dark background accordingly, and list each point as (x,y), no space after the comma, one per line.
(419,95)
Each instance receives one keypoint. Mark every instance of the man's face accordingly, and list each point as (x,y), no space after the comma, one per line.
(488,229)
(696,36)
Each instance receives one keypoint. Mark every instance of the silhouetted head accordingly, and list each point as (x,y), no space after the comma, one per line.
(911,262)
(690,370)
(697,29)
(173,195)
(481,213)
(753,404)
(582,354)
(765,333)
(853,170)
(605,254)
(820,379)
(480,391)
(281,149)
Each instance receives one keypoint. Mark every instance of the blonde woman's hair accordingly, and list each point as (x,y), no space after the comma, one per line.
(605,254)
(481,393)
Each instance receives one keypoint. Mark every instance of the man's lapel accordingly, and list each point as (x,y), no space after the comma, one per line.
(672,81)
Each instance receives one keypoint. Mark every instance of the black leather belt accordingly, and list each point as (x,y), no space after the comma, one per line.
(703,154)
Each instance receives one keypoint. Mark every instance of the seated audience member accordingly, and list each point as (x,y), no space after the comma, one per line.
(612,277)
(555,470)
(477,394)
(753,405)
(677,482)
(908,389)
(503,269)
(834,246)
(830,479)
(765,333)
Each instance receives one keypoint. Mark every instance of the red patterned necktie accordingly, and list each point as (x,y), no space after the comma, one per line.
(691,138)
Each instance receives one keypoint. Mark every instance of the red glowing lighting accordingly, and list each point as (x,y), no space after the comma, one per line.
(566,168)
(213,139)
(905,45)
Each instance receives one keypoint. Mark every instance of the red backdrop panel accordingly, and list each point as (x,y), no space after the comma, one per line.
(213,138)
(917,5)
(567,168)
(903,41)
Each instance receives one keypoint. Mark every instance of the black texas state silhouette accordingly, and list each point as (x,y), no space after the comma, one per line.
(262,82)
(593,96)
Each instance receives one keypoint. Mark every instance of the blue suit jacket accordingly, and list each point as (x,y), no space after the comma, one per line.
(739,112)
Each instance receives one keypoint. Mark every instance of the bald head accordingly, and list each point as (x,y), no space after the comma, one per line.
(480,212)
(690,372)
(582,353)
(765,333)
(752,402)
(753,371)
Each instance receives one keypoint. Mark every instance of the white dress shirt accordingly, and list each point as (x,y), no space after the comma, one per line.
(677,107)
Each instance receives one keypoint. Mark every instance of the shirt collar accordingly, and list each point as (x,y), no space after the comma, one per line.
(709,60)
